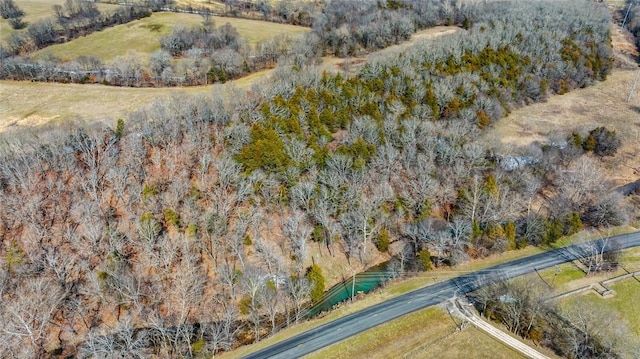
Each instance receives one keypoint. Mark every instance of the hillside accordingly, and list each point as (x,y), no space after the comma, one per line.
(200,223)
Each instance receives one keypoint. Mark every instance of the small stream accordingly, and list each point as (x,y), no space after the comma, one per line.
(365,282)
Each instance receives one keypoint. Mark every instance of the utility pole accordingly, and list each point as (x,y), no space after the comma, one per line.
(353,286)
(633,87)
(555,275)
(626,15)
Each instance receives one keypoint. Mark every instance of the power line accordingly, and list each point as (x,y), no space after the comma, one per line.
(635,82)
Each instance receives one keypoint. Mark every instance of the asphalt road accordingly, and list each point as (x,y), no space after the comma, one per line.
(358,322)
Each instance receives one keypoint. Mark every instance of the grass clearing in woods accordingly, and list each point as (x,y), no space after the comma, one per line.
(35,10)
(143,36)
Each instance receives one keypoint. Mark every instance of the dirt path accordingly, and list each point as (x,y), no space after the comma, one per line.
(503,337)
(351,65)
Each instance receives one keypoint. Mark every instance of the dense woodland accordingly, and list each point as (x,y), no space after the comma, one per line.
(200,223)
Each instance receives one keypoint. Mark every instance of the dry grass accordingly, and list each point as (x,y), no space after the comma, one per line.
(29,104)
(470,343)
(603,104)
(34,104)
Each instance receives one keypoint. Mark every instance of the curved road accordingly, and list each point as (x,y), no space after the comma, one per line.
(358,322)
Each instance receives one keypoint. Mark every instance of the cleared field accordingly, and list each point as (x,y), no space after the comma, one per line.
(33,104)
(426,333)
(36,10)
(29,104)
(143,36)
(603,104)
(207,4)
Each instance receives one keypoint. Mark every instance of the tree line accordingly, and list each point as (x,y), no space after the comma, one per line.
(188,57)
(73,19)
(201,223)
(524,308)
(374,25)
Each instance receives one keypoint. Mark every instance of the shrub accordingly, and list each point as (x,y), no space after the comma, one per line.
(382,242)
(14,256)
(510,235)
(606,141)
(423,260)
(192,230)
(9,10)
(575,139)
(589,143)
(172,218)
(119,128)
(483,119)
(555,230)
(148,191)
(265,151)
(573,223)
(314,275)
(247,241)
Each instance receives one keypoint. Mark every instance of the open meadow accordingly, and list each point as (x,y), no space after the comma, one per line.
(603,104)
(30,104)
(143,36)
(427,333)
(37,10)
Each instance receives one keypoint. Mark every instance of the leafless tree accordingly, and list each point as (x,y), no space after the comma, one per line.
(27,314)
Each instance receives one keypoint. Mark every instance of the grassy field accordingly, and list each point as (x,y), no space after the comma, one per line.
(207,4)
(566,277)
(140,36)
(36,10)
(143,36)
(426,333)
(603,104)
(623,305)
(35,104)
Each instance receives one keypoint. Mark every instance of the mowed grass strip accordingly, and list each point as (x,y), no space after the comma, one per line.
(471,343)
(37,10)
(143,36)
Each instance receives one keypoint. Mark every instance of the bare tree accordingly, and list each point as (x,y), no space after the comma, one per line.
(27,315)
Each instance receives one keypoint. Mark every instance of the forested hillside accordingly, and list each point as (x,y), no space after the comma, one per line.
(201,223)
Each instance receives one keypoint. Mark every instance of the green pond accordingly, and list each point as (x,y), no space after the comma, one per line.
(363,282)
